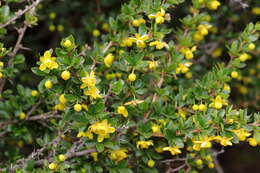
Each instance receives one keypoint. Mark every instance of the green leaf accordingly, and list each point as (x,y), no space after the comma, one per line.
(100,147)
(117,86)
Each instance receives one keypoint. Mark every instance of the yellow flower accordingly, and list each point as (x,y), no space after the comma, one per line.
(85,107)
(122,110)
(218,102)
(134,102)
(159,149)
(204,143)
(150,163)
(93,92)
(127,42)
(144,144)
(156,128)
(80,134)
(252,142)
(109,60)
(226,88)
(188,52)
(59,107)
(138,22)
(131,77)
(140,40)
(173,150)
(158,44)
(48,84)
(89,135)
(213,4)
(182,113)
(62,99)
(243,57)
(48,62)
(197,37)
(159,16)
(89,80)
(242,134)
(65,75)
(94,155)
(102,129)
(62,157)
(77,107)
(224,141)
(152,65)
(34,93)
(52,166)
(183,68)
(118,155)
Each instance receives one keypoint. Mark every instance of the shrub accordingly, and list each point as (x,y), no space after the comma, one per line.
(158,86)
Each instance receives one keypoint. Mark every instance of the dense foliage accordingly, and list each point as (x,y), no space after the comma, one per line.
(134,86)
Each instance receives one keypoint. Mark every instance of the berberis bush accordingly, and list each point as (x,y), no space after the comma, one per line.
(153,86)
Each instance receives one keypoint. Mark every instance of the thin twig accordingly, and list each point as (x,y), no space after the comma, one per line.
(20,13)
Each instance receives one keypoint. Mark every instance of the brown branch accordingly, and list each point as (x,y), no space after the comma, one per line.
(33,109)
(21,32)
(19,13)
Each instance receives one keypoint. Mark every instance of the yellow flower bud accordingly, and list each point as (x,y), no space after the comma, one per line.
(52,166)
(1,75)
(52,27)
(96,33)
(243,57)
(132,77)
(48,84)
(65,75)
(62,99)
(62,157)
(105,27)
(136,23)
(202,107)
(234,74)
(195,107)
(77,107)
(52,15)
(60,28)
(109,60)
(150,163)
(251,46)
(213,5)
(211,165)
(67,44)
(198,162)
(22,115)
(34,93)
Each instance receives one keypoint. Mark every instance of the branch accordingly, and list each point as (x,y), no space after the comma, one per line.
(19,13)
(21,32)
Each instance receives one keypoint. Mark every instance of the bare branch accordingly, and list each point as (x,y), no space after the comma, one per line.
(20,13)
